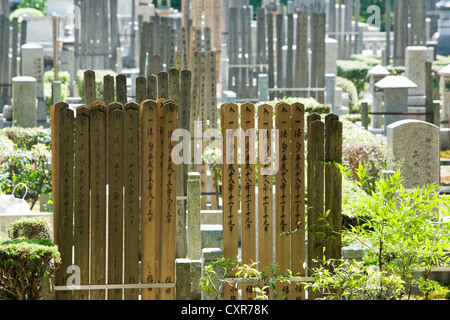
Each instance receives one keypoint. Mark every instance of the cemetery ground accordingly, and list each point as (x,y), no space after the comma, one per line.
(364,154)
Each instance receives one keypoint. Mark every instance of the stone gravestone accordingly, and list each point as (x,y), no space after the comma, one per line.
(33,66)
(414,145)
(24,102)
(395,90)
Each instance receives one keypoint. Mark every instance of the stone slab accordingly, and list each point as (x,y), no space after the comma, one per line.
(413,147)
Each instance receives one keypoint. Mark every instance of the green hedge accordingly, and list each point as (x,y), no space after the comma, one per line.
(356,71)
(311,105)
(26,267)
(30,228)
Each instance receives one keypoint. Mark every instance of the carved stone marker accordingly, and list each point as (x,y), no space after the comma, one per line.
(414,146)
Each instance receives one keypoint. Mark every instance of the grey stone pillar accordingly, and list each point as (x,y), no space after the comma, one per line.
(33,66)
(196,274)
(416,57)
(56,92)
(263,87)
(194,205)
(183,279)
(395,98)
(24,102)
(330,84)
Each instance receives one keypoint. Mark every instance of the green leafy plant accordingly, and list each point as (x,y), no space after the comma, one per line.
(263,282)
(402,232)
(362,148)
(343,280)
(27,159)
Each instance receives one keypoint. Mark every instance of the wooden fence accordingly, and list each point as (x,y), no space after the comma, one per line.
(105,159)
(319,190)
(115,191)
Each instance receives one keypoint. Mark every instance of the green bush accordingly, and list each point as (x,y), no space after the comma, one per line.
(398,233)
(360,147)
(27,138)
(26,268)
(99,75)
(26,159)
(356,71)
(348,86)
(30,228)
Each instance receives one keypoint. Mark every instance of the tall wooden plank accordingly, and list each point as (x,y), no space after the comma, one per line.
(155,65)
(184,110)
(175,95)
(279,53)
(131,197)
(149,185)
(98,197)
(82,198)
(184,48)
(270,53)
(301,75)
(265,187)
(321,57)
(152,87)
(203,89)
(145,47)
(163,85)
(121,89)
(194,110)
(298,249)
(212,82)
(230,194)
(169,193)
(141,89)
(109,95)
(63,164)
(248,192)
(316,153)
(89,87)
(203,107)
(159,182)
(283,195)
(174,85)
(333,186)
(115,198)
(290,55)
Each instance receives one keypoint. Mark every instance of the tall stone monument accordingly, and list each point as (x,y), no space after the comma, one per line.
(414,146)
(33,66)
(395,90)
(444,90)
(416,58)
(443,28)
(24,102)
